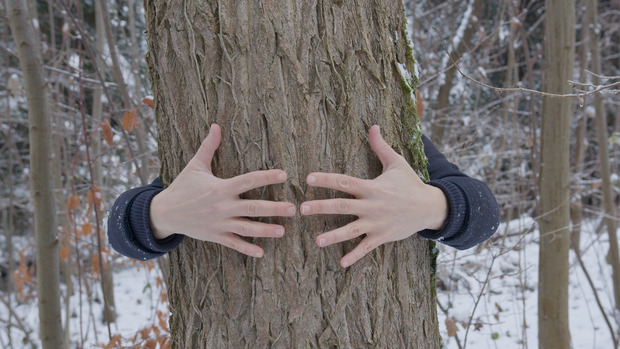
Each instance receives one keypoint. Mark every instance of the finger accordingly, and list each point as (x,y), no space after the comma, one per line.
(246,227)
(333,206)
(385,153)
(236,243)
(252,180)
(348,232)
(261,208)
(363,248)
(209,145)
(344,183)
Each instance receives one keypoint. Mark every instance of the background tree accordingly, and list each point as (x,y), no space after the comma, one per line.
(41,178)
(294,86)
(554,177)
(608,205)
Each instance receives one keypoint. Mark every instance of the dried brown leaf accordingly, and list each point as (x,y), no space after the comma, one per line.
(72,205)
(107,132)
(64,252)
(419,104)
(86,230)
(130,120)
(149,101)
(451,327)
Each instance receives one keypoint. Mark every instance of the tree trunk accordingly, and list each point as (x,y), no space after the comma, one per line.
(109,306)
(142,169)
(441,122)
(295,85)
(609,208)
(554,179)
(579,152)
(41,180)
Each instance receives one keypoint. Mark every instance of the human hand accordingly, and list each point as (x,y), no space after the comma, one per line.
(199,205)
(389,208)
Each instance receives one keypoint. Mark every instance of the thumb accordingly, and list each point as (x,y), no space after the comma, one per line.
(385,153)
(203,157)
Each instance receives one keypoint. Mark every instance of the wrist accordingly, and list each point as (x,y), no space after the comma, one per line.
(439,208)
(157,211)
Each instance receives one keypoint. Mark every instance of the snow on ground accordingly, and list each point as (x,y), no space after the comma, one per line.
(506,314)
(137,302)
(506,296)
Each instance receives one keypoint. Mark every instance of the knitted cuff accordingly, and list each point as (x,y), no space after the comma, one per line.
(457,211)
(140,223)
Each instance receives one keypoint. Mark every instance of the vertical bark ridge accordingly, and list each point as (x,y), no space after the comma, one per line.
(295,85)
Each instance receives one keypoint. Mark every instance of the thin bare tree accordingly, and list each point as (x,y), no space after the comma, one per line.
(609,208)
(41,176)
(554,177)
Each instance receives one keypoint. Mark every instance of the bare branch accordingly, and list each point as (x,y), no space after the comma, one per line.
(580,94)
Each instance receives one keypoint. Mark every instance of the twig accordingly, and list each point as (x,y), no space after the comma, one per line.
(604,77)
(473,312)
(578,95)
(20,325)
(598,301)
(106,305)
(445,311)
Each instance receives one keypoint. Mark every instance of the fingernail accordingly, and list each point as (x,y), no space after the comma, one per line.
(322,242)
(280,232)
(259,254)
(282,176)
(305,209)
(345,263)
(311,179)
(290,210)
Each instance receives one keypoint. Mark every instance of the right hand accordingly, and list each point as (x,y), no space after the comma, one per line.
(199,205)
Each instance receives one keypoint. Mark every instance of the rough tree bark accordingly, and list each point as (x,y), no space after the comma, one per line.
(554,178)
(295,85)
(41,179)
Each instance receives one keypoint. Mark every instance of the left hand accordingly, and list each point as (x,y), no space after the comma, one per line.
(389,208)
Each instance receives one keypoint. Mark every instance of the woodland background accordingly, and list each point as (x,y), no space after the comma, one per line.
(104,143)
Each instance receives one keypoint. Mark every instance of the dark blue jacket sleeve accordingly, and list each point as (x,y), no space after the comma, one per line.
(129,225)
(474,213)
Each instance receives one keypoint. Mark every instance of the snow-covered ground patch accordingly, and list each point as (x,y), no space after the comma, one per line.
(499,280)
(505,297)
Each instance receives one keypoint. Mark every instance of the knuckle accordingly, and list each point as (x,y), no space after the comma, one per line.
(248,181)
(367,247)
(245,229)
(318,207)
(342,206)
(279,209)
(353,232)
(268,231)
(344,182)
(232,244)
(253,209)
(385,148)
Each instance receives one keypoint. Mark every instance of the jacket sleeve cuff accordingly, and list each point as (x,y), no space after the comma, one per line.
(457,213)
(140,223)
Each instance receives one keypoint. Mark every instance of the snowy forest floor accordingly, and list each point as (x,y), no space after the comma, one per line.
(492,287)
